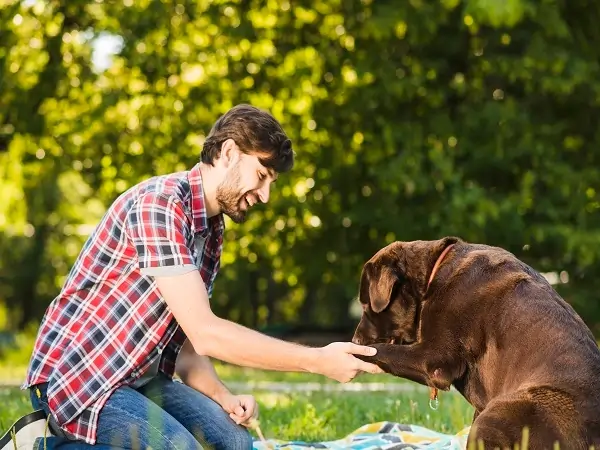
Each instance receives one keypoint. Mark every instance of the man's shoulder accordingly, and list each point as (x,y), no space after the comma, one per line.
(152,193)
(173,185)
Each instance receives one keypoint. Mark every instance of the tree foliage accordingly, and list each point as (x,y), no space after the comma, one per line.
(411,120)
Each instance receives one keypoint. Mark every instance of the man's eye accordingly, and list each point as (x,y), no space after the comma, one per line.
(261,176)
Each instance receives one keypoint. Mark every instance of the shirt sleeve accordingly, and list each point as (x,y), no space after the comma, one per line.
(159,229)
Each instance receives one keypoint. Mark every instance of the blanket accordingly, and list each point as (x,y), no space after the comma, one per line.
(380,436)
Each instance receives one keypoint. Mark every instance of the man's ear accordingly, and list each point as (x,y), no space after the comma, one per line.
(229,153)
(376,285)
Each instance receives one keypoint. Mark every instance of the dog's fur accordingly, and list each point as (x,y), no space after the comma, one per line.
(492,327)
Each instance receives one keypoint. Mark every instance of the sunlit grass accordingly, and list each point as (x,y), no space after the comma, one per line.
(290,415)
(318,416)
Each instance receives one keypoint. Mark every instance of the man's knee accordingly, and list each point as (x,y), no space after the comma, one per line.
(224,435)
(240,439)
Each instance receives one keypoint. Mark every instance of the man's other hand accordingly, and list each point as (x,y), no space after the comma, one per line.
(241,408)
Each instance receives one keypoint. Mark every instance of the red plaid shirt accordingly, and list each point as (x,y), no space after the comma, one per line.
(109,323)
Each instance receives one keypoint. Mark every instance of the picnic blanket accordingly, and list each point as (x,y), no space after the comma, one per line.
(380,436)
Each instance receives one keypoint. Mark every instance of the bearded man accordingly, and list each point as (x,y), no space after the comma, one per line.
(135,309)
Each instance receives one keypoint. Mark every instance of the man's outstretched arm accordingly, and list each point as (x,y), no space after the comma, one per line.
(227,341)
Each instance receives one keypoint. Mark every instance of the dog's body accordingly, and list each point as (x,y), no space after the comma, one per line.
(492,327)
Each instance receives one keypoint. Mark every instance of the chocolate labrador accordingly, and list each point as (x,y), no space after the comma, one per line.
(450,313)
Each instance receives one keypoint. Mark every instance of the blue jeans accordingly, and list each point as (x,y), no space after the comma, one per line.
(163,414)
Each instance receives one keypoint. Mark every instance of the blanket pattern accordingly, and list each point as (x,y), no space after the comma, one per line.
(379,436)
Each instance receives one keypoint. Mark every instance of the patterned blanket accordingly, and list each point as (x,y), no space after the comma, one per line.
(380,436)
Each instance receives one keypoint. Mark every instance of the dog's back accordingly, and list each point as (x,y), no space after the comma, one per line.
(559,369)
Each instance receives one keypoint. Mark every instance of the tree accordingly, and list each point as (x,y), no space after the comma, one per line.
(410,121)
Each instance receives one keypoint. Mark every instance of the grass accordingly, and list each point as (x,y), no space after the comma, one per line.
(314,416)
(328,417)
(291,415)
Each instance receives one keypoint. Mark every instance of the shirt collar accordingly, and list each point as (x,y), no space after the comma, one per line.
(201,222)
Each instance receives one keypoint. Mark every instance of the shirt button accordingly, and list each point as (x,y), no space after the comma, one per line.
(160,350)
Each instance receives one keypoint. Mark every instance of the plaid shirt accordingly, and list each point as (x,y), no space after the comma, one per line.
(109,323)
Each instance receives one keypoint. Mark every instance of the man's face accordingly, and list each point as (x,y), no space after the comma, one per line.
(245,183)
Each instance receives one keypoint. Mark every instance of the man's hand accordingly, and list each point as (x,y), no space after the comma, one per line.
(241,408)
(336,361)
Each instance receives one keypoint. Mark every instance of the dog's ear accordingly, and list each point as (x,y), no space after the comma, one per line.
(377,284)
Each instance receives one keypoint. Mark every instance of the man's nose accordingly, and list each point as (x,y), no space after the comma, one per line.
(263,193)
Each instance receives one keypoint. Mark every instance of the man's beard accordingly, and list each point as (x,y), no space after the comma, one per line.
(229,196)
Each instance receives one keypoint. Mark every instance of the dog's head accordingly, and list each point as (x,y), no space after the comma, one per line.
(392,285)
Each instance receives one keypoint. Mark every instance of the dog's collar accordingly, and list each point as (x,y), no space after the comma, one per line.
(433,392)
(438,263)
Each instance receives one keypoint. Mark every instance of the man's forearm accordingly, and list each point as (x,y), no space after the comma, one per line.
(233,343)
(199,373)
(227,341)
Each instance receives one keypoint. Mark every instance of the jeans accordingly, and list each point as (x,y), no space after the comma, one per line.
(163,414)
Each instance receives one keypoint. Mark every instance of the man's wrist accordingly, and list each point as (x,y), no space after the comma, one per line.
(220,394)
(312,360)
(205,380)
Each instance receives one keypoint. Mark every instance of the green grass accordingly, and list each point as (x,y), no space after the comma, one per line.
(313,417)
(318,416)
(14,403)
(332,416)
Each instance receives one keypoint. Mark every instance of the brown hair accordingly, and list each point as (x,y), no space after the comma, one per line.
(255,132)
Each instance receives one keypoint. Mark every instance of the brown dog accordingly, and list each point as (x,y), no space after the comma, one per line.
(447,312)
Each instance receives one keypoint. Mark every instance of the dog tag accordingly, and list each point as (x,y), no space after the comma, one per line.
(434,403)
(433,399)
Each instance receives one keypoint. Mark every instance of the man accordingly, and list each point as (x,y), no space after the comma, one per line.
(138,297)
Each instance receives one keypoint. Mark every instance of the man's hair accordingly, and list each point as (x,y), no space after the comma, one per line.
(256,132)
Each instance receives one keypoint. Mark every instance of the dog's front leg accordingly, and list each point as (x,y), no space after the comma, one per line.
(417,362)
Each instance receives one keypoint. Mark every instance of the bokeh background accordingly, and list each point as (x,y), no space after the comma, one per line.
(411,119)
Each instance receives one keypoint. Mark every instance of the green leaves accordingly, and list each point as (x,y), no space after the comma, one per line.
(498,13)
(410,121)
